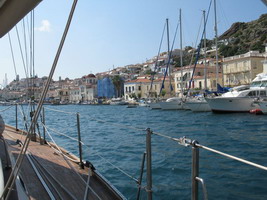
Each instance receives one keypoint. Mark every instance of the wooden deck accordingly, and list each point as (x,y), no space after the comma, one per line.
(64,179)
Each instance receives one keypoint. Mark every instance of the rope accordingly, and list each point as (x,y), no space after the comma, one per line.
(20,158)
(232,157)
(181,142)
(6,108)
(61,133)
(12,53)
(121,170)
(72,113)
(61,153)
(118,125)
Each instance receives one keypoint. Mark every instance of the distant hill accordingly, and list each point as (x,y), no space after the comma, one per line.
(240,38)
(243,37)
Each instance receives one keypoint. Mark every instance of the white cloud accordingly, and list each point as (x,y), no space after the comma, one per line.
(45,27)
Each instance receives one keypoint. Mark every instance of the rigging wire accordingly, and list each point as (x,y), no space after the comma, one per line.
(20,158)
(197,56)
(156,63)
(70,165)
(87,146)
(12,53)
(169,58)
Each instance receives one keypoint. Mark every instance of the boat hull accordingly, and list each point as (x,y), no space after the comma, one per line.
(154,105)
(263,106)
(198,106)
(231,104)
(173,105)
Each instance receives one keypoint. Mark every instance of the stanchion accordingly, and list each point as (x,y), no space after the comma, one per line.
(195,170)
(141,176)
(149,165)
(79,141)
(17,117)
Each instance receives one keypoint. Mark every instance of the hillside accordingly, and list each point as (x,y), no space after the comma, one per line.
(240,38)
(243,37)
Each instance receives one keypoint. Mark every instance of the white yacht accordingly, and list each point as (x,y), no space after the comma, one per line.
(241,98)
(173,103)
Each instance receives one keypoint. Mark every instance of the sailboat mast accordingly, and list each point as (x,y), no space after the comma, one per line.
(216,42)
(205,51)
(168,43)
(181,53)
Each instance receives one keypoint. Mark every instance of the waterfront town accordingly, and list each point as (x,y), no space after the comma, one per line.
(133,82)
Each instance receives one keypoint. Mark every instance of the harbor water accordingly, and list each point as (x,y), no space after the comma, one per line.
(114,138)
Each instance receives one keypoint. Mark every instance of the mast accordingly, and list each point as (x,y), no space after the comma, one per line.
(168,43)
(216,42)
(205,53)
(181,53)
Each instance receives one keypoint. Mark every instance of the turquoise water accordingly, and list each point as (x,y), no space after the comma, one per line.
(241,135)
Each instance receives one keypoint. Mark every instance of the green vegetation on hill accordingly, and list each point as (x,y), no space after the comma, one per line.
(240,38)
(244,37)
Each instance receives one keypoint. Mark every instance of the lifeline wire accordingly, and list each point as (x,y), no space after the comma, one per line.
(18,163)
(6,108)
(69,163)
(179,140)
(106,160)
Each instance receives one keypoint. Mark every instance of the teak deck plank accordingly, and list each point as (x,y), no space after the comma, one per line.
(48,160)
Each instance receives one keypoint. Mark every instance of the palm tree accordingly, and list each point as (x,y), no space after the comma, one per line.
(117,81)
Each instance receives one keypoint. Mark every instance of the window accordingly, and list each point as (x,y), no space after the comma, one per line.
(155,87)
(262,93)
(252,93)
(139,88)
(214,83)
(200,85)
(133,88)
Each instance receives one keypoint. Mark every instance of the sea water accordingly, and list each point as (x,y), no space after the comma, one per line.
(114,140)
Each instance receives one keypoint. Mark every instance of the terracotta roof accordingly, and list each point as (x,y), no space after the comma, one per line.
(139,81)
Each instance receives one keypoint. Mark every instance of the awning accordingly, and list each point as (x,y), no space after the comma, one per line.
(12,11)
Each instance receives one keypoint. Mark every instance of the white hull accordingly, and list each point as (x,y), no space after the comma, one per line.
(143,104)
(173,105)
(198,106)
(118,103)
(231,104)
(263,106)
(154,105)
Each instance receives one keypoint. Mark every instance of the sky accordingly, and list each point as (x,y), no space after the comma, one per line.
(106,34)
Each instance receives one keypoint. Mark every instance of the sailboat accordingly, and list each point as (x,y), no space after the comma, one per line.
(32,168)
(155,103)
(199,104)
(173,103)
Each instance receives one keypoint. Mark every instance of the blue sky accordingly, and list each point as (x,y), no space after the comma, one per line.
(107,33)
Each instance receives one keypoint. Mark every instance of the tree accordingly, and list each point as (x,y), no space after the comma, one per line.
(117,81)
(163,92)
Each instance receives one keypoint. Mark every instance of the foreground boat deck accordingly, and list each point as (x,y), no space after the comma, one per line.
(64,179)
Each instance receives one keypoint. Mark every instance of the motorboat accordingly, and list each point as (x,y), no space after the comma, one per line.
(240,98)
(118,101)
(173,103)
